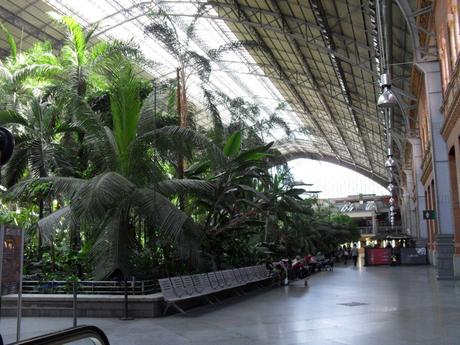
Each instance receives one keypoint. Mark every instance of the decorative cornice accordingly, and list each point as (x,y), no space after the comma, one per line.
(427,166)
(450,106)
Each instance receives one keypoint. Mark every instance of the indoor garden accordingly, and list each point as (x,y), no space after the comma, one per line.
(118,174)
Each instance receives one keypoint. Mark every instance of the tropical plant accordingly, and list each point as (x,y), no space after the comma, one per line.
(19,68)
(128,187)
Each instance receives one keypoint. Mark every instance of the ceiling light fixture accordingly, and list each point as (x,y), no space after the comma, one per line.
(387,98)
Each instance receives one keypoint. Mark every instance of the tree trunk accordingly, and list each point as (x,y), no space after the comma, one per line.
(183,124)
(267,225)
(184,102)
(41,215)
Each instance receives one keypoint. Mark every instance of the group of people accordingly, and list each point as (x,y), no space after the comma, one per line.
(298,268)
(345,253)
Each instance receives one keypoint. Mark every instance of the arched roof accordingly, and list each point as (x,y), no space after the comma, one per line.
(291,150)
(321,56)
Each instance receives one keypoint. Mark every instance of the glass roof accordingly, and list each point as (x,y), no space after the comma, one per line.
(236,74)
(322,58)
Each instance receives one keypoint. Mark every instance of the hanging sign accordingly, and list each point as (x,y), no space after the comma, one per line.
(429,214)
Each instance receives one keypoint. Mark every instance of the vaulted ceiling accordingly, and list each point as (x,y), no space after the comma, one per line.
(322,56)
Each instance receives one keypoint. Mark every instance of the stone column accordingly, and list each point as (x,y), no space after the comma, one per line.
(405,216)
(457,230)
(410,207)
(374,223)
(440,162)
(421,229)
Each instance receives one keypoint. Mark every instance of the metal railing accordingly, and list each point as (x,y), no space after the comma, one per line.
(382,230)
(136,287)
(365,230)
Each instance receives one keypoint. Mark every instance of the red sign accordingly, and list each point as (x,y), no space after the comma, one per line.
(378,256)
(11,252)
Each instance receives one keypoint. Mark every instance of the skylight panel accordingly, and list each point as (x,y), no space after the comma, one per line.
(125,20)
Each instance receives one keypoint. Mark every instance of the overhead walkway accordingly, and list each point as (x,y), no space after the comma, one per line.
(379,305)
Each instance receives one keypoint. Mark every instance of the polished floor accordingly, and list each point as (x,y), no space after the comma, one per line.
(353,306)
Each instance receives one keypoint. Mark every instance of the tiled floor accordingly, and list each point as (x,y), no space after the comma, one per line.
(394,306)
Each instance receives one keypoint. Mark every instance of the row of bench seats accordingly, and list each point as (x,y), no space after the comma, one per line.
(181,288)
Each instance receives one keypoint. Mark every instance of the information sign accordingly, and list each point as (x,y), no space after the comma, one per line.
(378,256)
(10,259)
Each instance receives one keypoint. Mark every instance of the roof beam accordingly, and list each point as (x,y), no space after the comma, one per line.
(233,15)
(34,31)
(320,13)
(295,92)
(286,155)
(306,69)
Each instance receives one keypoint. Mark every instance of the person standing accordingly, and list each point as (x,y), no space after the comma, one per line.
(355,254)
(346,253)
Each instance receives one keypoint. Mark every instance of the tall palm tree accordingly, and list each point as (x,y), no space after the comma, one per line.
(129,184)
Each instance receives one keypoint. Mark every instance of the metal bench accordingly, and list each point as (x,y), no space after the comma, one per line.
(169,295)
(180,288)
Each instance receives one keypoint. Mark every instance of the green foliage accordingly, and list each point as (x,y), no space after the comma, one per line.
(233,145)
(93,178)
(11,41)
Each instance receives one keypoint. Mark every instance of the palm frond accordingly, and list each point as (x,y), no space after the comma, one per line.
(16,166)
(215,54)
(12,117)
(101,194)
(76,37)
(185,186)
(162,29)
(180,134)
(10,39)
(125,106)
(213,111)
(110,251)
(5,74)
(64,186)
(199,64)
(49,225)
(36,71)
(166,217)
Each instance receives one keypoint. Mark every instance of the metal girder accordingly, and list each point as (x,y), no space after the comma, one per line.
(329,41)
(233,15)
(308,72)
(295,92)
(17,21)
(301,24)
(301,80)
(287,153)
(409,15)
(295,78)
(422,10)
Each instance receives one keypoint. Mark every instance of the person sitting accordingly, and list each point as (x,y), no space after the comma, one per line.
(312,263)
(298,268)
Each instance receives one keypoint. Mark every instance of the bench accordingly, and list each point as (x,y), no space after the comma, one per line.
(206,285)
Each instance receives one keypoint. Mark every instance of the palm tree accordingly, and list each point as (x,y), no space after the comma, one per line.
(38,152)
(234,206)
(18,69)
(189,63)
(38,129)
(129,185)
